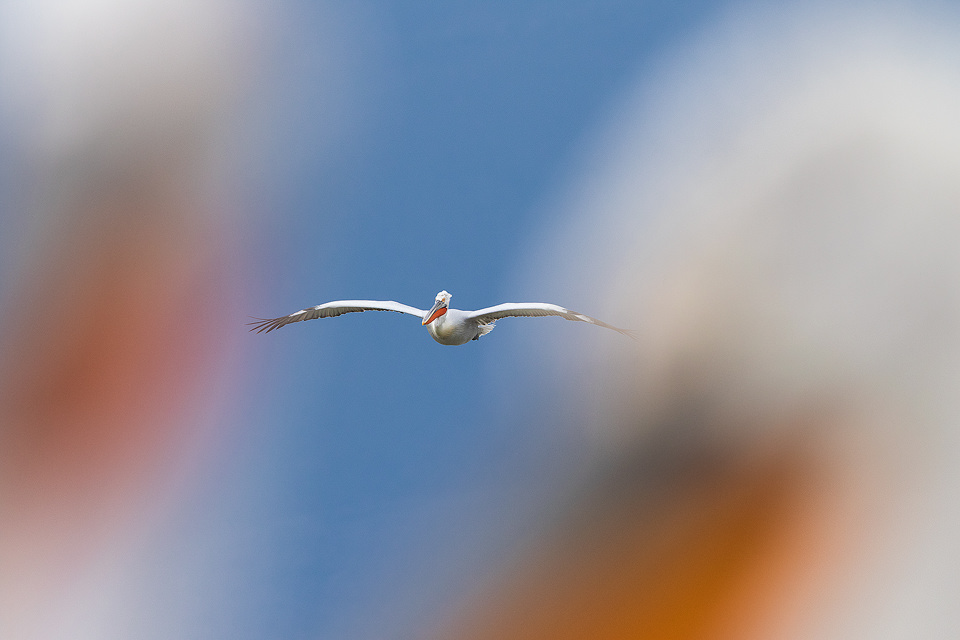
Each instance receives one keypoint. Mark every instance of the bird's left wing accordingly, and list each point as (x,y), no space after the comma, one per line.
(536,309)
(331,309)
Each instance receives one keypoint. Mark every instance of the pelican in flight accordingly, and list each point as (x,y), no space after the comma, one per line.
(445,325)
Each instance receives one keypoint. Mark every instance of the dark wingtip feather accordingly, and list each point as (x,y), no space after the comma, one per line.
(264,325)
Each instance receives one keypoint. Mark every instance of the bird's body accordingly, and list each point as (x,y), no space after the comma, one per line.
(444,324)
(454,327)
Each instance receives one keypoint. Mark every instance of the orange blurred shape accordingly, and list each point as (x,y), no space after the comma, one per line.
(725,548)
(109,338)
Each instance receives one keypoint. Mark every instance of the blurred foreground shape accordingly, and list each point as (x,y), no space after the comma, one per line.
(113,353)
(778,210)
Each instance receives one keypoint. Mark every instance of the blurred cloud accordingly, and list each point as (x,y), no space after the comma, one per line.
(775,206)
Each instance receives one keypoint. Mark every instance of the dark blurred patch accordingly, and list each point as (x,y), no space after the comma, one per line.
(673,538)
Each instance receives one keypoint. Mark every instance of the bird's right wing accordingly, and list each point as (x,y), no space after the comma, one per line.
(331,309)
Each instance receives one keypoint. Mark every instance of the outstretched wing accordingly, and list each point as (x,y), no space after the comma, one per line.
(331,309)
(537,309)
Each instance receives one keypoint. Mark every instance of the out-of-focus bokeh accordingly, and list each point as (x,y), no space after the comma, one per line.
(777,208)
(121,259)
(767,193)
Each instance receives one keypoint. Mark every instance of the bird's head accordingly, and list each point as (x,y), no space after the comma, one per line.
(440,306)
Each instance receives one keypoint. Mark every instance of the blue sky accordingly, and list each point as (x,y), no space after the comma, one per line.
(372,473)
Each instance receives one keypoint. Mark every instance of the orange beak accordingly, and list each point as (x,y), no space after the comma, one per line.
(438,310)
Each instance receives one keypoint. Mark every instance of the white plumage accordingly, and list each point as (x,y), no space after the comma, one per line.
(445,325)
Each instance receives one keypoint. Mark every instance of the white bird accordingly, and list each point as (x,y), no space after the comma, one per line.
(445,325)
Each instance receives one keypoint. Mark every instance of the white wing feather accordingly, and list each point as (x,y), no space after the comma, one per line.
(332,309)
(490,315)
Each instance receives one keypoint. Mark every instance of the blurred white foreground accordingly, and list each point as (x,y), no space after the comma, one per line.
(778,211)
